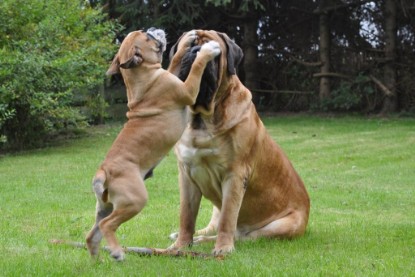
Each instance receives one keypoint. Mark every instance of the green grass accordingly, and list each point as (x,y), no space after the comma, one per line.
(360,174)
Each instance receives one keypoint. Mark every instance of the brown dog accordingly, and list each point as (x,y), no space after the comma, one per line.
(227,156)
(156,119)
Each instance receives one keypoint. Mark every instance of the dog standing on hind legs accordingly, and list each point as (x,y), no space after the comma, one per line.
(157,117)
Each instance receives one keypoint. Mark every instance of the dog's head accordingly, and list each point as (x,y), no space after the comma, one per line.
(139,47)
(217,72)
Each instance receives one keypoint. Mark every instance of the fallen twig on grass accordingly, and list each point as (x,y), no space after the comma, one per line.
(144,251)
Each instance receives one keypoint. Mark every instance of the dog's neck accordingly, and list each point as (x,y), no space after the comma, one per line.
(139,74)
(139,80)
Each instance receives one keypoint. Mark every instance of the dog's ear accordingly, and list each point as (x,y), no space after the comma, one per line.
(235,53)
(134,58)
(114,67)
(173,49)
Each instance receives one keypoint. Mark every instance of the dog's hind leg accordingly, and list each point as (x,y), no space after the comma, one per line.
(129,197)
(206,234)
(94,236)
(290,226)
(212,227)
(209,233)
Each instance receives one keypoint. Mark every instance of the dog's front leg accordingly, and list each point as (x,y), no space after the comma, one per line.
(207,53)
(233,190)
(184,44)
(190,197)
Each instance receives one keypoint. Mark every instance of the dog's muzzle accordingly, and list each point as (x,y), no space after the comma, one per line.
(159,36)
(209,82)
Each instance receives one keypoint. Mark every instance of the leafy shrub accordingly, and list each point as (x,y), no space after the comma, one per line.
(97,108)
(343,98)
(50,51)
(5,113)
(349,96)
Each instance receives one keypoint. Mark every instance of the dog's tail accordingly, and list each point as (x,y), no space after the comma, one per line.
(98,185)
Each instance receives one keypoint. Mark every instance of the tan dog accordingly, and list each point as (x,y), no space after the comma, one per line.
(227,156)
(156,119)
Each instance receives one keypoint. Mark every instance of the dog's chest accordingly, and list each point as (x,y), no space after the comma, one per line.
(199,152)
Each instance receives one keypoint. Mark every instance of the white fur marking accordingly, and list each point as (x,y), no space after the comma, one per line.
(194,155)
(159,35)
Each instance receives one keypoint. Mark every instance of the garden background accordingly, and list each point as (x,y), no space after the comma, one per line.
(333,81)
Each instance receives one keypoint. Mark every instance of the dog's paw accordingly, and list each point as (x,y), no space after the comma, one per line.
(174,236)
(209,230)
(174,246)
(223,250)
(201,239)
(177,245)
(118,255)
(211,49)
(188,39)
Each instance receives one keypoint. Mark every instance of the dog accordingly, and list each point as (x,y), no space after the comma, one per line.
(226,155)
(157,102)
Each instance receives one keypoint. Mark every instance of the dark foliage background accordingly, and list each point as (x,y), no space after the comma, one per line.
(301,55)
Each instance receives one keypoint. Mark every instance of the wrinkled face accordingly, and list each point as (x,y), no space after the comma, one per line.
(215,67)
(139,47)
(208,84)
(217,72)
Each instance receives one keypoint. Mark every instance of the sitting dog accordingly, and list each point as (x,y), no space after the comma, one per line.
(157,102)
(227,156)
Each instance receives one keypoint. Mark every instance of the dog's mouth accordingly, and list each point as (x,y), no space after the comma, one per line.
(209,83)
(137,54)
(159,36)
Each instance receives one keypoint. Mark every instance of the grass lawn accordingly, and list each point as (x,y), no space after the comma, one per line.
(360,174)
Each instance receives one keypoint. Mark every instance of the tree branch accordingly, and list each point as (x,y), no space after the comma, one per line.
(331,74)
(381,86)
(144,251)
(308,64)
(282,91)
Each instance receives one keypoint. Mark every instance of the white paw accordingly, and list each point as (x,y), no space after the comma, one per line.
(190,37)
(201,239)
(211,48)
(177,245)
(173,236)
(219,251)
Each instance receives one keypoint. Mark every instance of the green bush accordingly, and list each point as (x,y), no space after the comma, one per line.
(50,51)
(97,108)
(349,96)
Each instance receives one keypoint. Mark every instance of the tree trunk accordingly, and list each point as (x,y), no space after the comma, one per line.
(390,104)
(250,46)
(156,8)
(324,52)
